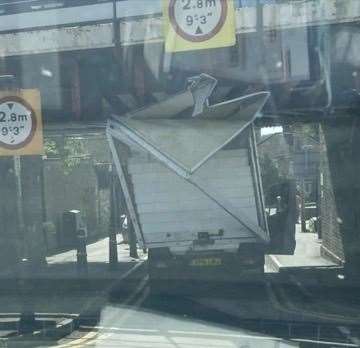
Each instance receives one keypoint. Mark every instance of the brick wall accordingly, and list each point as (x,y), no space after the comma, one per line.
(75,190)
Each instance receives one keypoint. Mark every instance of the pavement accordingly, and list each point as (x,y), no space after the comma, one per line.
(307,254)
(61,271)
(97,252)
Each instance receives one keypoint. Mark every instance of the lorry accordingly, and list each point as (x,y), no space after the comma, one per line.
(190,176)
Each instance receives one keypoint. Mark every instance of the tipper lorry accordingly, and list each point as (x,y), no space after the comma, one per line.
(190,175)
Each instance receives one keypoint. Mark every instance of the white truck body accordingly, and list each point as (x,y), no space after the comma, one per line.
(171,211)
(192,183)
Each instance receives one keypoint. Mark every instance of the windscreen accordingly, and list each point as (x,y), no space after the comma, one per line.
(179,173)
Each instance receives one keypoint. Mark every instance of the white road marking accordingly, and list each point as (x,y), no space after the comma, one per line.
(325,343)
(80,341)
(217,334)
(345,331)
(122,329)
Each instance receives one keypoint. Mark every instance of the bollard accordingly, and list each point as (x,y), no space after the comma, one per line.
(81,255)
(113,256)
(278,204)
(27,322)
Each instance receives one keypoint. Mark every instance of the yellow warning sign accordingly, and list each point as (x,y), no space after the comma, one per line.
(21,130)
(198,24)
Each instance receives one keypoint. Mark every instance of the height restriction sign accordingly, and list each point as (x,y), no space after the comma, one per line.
(198,24)
(20,123)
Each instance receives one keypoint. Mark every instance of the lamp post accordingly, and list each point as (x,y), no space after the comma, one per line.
(113,254)
(306,149)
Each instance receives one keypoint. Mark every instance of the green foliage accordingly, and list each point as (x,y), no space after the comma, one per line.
(269,171)
(51,149)
(71,151)
(74,149)
(271,178)
(308,132)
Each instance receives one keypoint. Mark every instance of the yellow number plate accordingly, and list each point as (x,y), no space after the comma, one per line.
(206,262)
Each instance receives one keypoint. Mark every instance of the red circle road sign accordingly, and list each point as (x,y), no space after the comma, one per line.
(197,20)
(17,123)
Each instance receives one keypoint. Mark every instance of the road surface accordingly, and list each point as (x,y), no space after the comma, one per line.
(228,316)
(281,312)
